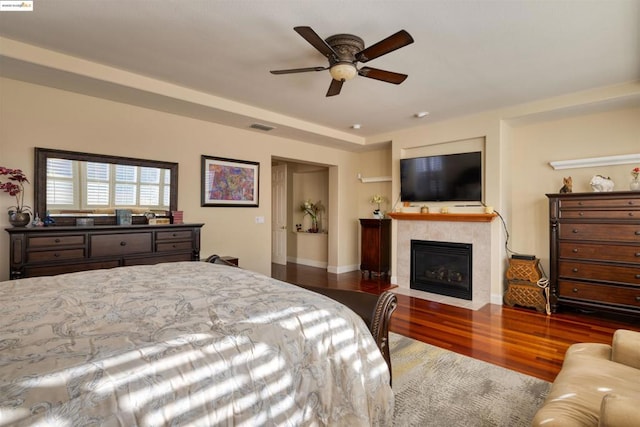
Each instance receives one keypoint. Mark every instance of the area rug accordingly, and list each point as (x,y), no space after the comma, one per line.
(437,387)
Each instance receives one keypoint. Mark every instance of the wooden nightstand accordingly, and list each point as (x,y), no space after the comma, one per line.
(231,259)
(375,246)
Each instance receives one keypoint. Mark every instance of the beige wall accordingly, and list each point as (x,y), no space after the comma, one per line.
(36,116)
(519,143)
(534,146)
(374,164)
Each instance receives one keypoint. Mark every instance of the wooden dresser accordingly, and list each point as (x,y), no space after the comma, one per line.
(44,251)
(375,246)
(595,251)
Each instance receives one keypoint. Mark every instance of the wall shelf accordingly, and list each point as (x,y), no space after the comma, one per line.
(596,161)
(374,179)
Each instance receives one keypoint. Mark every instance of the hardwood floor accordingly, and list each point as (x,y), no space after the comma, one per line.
(515,338)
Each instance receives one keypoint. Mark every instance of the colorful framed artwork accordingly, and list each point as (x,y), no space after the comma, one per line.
(229,182)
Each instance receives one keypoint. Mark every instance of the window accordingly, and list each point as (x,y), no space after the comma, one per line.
(73,185)
(61,183)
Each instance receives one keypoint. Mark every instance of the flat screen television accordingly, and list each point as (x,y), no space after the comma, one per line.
(449,177)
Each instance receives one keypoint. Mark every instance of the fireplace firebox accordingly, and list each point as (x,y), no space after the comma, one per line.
(442,268)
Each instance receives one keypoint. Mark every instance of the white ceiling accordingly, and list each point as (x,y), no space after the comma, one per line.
(468,56)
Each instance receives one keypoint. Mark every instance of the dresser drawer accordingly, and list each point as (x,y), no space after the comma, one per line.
(173,246)
(600,214)
(604,272)
(52,241)
(617,253)
(600,293)
(621,202)
(120,244)
(50,270)
(173,235)
(604,232)
(55,255)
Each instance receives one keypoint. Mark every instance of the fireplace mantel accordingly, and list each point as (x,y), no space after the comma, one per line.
(457,217)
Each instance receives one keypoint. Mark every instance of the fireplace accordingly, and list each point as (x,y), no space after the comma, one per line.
(442,268)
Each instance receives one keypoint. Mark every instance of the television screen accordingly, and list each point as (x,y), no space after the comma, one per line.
(450,177)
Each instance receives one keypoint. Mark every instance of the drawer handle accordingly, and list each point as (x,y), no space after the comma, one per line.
(581,214)
(123,243)
(174,234)
(630,202)
(637,254)
(630,213)
(575,270)
(637,276)
(638,298)
(637,233)
(575,290)
(574,250)
(579,203)
(56,254)
(574,231)
(57,240)
(173,246)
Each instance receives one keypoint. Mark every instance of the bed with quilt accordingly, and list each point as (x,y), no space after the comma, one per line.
(188,343)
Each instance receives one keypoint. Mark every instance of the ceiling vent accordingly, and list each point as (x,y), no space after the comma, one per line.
(260,126)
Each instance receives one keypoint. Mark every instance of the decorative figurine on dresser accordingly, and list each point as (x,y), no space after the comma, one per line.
(595,251)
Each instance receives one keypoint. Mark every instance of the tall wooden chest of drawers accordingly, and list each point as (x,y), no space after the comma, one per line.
(44,251)
(595,251)
(375,246)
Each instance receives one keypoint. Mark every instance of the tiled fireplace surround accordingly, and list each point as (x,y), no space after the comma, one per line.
(477,233)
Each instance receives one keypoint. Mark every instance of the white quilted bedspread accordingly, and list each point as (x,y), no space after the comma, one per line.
(184,344)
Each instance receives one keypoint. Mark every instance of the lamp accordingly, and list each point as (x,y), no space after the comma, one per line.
(343,71)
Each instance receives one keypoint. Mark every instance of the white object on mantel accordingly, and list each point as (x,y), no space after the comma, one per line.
(596,161)
(601,184)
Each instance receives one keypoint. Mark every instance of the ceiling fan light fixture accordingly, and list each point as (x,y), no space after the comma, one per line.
(343,71)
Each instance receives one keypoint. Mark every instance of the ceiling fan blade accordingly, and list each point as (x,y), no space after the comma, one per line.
(298,70)
(391,43)
(335,87)
(382,75)
(316,41)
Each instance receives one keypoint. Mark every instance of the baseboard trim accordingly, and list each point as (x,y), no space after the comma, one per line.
(343,269)
(496,299)
(309,262)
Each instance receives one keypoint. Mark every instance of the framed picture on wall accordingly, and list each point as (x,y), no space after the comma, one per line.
(229,182)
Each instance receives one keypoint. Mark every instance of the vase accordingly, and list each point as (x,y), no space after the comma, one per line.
(634,185)
(19,219)
(314,226)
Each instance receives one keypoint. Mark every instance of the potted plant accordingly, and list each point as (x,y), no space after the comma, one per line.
(312,209)
(19,214)
(377,199)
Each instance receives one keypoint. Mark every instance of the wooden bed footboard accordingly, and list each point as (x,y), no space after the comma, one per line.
(375,310)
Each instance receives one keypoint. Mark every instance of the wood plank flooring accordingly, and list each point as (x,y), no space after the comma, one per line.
(519,339)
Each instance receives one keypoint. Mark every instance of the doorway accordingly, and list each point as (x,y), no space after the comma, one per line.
(293,183)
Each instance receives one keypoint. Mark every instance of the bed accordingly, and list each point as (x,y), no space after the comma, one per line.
(188,343)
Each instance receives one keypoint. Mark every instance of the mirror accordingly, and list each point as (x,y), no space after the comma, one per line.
(71,185)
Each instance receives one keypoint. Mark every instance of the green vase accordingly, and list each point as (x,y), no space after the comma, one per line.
(19,219)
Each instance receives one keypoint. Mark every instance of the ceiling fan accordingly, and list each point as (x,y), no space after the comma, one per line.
(344,51)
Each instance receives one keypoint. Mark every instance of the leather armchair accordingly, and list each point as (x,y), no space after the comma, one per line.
(598,385)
